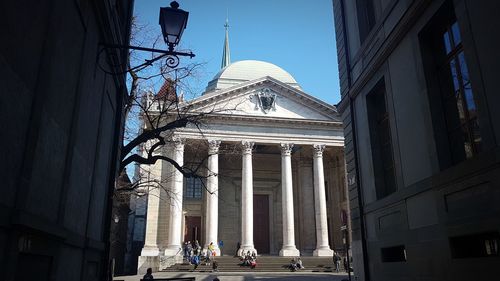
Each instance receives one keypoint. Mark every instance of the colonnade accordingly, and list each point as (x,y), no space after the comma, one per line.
(174,243)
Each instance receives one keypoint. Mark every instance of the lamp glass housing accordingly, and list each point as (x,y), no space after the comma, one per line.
(173,22)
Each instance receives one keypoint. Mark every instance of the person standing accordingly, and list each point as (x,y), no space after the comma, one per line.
(189,249)
(221,244)
(211,248)
(336,260)
(148,275)
(238,245)
(197,247)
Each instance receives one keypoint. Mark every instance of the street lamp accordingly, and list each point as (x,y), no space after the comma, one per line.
(173,21)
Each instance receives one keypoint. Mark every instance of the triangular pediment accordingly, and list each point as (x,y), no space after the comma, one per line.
(265,97)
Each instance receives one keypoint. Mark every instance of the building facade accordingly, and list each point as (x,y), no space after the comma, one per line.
(61,121)
(419,98)
(273,160)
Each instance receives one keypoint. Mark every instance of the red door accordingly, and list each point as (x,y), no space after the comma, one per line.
(192,230)
(261,223)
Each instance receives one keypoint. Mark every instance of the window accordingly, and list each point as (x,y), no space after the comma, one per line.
(366,18)
(393,254)
(475,246)
(381,141)
(458,102)
(451,97)
(193,188)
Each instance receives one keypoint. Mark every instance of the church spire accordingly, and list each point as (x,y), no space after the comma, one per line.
(226,55)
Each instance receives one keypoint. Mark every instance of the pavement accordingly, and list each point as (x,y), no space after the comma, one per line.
(241,276)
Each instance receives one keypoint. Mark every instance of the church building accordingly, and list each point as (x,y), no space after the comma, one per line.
(274,166)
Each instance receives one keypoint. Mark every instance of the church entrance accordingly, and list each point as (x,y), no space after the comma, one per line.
(192,230)
(261,223)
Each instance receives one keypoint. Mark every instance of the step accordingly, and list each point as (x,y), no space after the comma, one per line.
(264,264)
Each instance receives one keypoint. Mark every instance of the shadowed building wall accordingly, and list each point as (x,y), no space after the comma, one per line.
(419,105)
(60,125)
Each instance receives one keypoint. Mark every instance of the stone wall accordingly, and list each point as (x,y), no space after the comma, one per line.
(61,124)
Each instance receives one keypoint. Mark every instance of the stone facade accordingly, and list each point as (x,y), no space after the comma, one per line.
(61,120)
(275,175)
(412,69)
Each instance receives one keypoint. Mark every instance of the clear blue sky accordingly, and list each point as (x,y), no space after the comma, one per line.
(297,36)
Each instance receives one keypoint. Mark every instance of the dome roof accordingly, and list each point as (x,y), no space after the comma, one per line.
(246,70)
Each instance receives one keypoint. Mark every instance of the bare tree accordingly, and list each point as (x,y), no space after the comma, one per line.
(152,116)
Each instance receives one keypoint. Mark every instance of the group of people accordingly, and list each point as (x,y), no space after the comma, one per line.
(295,264)
(250,259)
(195,256)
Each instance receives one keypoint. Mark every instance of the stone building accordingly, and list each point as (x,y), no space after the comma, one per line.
(61,120)
(273,159)
(419,84)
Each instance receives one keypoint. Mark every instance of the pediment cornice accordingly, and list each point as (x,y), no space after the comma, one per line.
(210,98)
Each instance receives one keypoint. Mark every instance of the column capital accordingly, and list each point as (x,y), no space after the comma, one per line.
(318,150)
(213,146)
(286,148)
(178,143)
(247,146)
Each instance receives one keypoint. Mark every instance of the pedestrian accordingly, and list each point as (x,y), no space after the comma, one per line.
(238,245)
(253,262)
(299,263)
(148,275)
(208,256)
(189,249)
(197,247)
(215,266)
(221,244)
(185,249)
(195,260)
(336,260)
(211,248)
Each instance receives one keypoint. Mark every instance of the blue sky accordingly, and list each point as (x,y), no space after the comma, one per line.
(298,36)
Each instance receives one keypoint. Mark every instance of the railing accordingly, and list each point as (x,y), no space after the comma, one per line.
(174,279)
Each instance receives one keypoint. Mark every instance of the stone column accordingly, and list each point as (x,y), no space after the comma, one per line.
(289,248)
(322,247)
(152,241)
(307,203)
(174,243)
(212,194)
(247,200)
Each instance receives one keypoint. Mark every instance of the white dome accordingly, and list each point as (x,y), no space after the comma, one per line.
(246,70)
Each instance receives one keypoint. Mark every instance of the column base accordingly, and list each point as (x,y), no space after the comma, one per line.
(150,251)
(289,252)
(323,252)
(175,250)
(244,250)
(172,255)
(145,262)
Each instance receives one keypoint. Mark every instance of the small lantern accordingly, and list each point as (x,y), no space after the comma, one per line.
(173,21)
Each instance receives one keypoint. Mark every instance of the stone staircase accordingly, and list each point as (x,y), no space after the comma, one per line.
(264,264)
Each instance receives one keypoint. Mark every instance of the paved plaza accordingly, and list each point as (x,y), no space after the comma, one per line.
(228,276)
